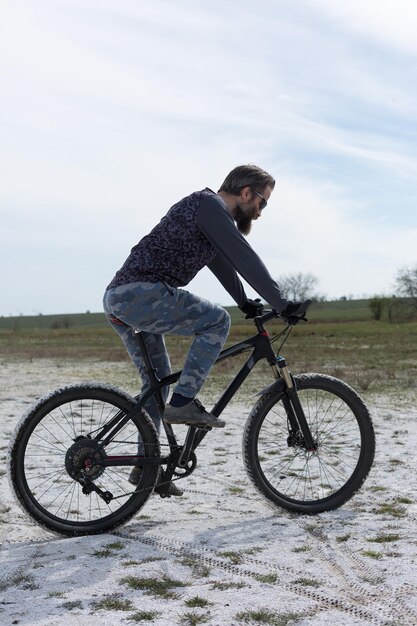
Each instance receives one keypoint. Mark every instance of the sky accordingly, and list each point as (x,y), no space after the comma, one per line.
(113,110)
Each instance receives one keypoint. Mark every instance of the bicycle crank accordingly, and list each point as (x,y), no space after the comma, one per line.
(185,467)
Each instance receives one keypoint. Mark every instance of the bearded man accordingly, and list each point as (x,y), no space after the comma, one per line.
(203,229)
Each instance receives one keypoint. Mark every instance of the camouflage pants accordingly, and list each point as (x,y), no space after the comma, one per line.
(155,309)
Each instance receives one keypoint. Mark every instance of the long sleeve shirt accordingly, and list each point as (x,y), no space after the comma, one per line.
(199,231)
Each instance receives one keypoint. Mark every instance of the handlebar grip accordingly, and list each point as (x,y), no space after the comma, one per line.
(302,309)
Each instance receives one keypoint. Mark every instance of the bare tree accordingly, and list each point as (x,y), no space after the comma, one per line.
(406,283)
(298,286)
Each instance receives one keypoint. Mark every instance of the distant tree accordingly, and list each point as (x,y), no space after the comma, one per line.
(406,283)
(377,305)
(298,286)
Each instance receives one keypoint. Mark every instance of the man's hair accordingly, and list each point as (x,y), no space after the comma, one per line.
(247,176)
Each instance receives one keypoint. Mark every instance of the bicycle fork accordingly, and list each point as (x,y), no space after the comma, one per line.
(293,409)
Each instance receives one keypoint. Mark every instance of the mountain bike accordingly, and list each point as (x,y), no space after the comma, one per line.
(308,443)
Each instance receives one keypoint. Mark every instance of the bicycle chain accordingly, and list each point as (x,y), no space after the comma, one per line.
(159,484)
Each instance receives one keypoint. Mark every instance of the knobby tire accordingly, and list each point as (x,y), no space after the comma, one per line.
(38,460)
(300,480)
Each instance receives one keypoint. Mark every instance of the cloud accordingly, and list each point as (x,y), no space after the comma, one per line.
(112,112)
(389,23)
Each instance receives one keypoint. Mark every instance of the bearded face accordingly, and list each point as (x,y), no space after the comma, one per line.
(245,213)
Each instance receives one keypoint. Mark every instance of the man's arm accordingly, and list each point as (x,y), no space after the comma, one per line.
(216,223)
(228,277)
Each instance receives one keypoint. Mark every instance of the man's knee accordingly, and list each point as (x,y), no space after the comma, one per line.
(224,321)
(227,320)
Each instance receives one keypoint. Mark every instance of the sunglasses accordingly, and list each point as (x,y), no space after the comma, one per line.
(263,203)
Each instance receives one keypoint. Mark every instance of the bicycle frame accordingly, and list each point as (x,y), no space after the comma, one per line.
(261,348)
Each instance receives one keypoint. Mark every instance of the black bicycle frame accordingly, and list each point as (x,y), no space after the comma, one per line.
(260,347)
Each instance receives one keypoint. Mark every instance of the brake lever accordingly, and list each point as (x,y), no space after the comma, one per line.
(294,319)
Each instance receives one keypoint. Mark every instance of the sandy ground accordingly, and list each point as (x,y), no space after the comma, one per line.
(244,561)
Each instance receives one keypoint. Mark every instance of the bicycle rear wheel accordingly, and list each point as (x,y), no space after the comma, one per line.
(310,481)
(56,438)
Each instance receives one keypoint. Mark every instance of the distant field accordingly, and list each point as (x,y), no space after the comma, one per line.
(338,310)
(340,339)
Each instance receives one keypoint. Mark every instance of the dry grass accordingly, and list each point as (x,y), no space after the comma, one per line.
(368,355)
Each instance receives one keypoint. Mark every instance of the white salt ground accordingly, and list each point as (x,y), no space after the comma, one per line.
(232,550)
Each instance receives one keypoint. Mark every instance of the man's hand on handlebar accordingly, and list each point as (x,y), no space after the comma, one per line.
(292,314)
(252,308)
(295,312)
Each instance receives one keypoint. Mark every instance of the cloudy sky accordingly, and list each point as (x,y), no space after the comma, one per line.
(112,110)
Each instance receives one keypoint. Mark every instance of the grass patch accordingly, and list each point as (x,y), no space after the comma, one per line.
(254,550)
(234,557)
(403,500)
(343,538)
(267,578)
(391,508)
(72,604)
(56,594)
(25,581)
(236,490)
(385,538)
(109,550)
(306,582)
(143,616)
(148,559)
(301,549)
(197,602)
(192,618)
(372,554)
(161,587)
(263,616)
(226,586)
(199,569)
(113,603)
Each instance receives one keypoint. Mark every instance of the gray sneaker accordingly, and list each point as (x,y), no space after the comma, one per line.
(193,414)
(134,479)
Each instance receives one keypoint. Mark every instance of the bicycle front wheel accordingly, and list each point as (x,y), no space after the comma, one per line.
(56,440)
(306,481)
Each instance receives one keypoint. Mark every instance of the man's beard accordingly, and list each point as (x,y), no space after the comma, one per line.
(243,221)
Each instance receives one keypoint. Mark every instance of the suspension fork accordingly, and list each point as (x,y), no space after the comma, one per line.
(292,405)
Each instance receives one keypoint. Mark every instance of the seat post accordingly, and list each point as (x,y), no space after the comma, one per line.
(145,354)
(150,370)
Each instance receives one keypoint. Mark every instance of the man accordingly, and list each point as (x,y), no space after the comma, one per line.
(202,229)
